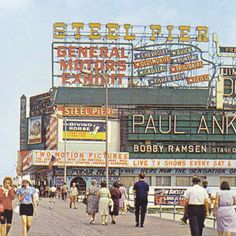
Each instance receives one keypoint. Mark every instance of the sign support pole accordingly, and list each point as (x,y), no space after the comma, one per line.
(106,151)
(65,146)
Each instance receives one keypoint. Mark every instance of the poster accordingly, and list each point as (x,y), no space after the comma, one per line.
(83,130)
(35,130)
(169,196)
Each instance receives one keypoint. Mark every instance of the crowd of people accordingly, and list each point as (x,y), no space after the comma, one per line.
(105,201)
(112,201)
(197,208)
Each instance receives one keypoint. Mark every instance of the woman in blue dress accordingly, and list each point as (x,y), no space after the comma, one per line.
(224,210)
(26,198)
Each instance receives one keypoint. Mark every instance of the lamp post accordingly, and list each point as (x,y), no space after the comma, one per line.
(106,149)
(65,146)
(106,77)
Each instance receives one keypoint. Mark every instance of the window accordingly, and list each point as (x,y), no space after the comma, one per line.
(230,180)
(183,181)
(163,181)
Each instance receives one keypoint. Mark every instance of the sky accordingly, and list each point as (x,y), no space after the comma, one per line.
(26,28)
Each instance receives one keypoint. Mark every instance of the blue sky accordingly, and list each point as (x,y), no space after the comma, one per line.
(26,37)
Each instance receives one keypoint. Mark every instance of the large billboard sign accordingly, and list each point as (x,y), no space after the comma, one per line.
(35,130)
(159,134)
(41,104)
(84,130)
(128,32)
(76,159)
(170,63)
(129,56)
(226,88)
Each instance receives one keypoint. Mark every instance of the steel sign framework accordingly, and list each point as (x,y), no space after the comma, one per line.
(138,56)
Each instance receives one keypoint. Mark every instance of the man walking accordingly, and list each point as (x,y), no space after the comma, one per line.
(52,195)
(64,191)
(197,205)
(141,190)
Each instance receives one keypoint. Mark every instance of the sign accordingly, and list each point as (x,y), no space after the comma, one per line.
(88,65)
(75,111)
(59,180)
(114,31)
(169,196)
(41,105)
(184,148)
(171,63)
(221,124)
(86,172)
(94,55)
(181,163)
(176,171)
(83,130)
(226,88)
(181,134)
(23,123)
(83,159)
(227,49)
(197,79)
(228,71)
(35,130)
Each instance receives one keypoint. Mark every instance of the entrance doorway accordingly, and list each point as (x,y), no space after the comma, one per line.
(80,183)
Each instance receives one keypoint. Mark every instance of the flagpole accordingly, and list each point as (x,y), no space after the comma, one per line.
(65,143)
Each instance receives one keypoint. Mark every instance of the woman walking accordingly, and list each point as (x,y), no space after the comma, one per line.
(7,195)
(73,195)
(104,196)
(92,201)
(224,210)
(115,196)
(26,198)
(122,200)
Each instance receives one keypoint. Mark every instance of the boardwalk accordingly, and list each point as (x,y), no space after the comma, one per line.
(56,219)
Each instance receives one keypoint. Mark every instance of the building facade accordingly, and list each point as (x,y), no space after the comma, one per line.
(171,110)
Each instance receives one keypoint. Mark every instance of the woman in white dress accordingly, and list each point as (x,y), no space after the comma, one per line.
(224,210)
(104,200)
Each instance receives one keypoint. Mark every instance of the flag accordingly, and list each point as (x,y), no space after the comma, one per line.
(51,134)
(52,161)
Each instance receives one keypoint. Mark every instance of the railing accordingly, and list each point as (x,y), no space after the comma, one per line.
(161,209)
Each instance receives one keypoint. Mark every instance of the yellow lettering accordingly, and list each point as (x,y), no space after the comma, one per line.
(94,32)
(77,26)
(202,34)
(127,35)
(112,31)
(170,32)
(184,30)
(156,30)
(59,29)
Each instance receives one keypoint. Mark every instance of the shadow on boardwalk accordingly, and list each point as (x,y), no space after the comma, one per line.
(56,219)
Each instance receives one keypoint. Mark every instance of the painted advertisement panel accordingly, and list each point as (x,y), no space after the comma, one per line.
(83,130)
(35,130)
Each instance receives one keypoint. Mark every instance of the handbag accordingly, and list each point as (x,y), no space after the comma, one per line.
(1,208)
